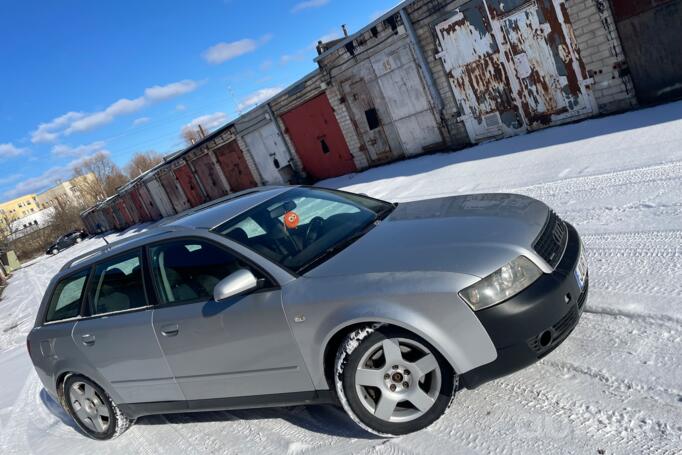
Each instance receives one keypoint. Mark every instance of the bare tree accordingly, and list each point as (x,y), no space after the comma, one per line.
(191,135)
(7,228)
(141,162)
(66,216)
(108,176)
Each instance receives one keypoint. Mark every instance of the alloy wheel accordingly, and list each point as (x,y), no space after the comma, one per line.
(398,380)
(89,407)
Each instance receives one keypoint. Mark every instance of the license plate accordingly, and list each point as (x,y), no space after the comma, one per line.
(581,270)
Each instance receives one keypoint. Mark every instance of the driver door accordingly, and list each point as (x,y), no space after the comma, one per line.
(235,348)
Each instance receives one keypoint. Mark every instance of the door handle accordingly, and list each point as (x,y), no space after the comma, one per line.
(88,339)
(170,330)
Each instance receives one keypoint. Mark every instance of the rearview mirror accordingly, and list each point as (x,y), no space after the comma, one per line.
(234,284)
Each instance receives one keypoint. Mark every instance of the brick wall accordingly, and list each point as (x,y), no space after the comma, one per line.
(425,14)
(601,51)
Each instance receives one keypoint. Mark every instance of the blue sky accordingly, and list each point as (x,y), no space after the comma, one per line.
(78,77)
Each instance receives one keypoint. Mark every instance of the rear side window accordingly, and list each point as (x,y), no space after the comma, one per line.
(66,299)
(187,271)
(118,285)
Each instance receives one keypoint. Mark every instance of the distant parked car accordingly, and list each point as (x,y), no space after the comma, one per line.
(66,241)
(301,295)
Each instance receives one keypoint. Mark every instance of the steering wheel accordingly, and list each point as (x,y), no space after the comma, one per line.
(314,228)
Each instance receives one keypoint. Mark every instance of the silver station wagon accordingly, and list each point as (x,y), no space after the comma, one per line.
(300,295)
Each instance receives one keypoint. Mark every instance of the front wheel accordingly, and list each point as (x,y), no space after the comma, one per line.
(392,382)
(93,410)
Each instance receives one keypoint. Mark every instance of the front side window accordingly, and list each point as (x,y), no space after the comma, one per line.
(118,285)
(302,227)
(67,297)
(188,270)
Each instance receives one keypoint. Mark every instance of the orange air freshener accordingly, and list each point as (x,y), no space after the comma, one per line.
(291,220)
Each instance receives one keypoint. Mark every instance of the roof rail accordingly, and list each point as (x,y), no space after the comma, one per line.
(84,256)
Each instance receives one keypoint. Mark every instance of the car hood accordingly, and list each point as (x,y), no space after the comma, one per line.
(472,234)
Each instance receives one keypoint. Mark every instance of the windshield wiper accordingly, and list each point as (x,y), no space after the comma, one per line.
(331,251)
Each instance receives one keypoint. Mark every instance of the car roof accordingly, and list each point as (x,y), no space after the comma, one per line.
(203,217)
(217,212)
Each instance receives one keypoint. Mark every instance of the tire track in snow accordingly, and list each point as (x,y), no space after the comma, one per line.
(664,174)
(636,262)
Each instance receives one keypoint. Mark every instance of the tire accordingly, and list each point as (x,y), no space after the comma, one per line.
(93,410)
(386,400)
(79,240)
(55,251)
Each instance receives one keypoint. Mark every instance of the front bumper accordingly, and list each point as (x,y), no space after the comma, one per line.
(532,324)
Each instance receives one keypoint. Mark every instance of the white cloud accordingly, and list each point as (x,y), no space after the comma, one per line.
(141,121)
(288,58)
(308,4)
(10,151)
(78,122)
(331,36)
(222,52)
(46,180)
(62,150)
(164,92)
(181,107)
(48,132)
(258,97)
(208,122)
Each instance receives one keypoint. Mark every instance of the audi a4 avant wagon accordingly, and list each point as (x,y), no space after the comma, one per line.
(300,295)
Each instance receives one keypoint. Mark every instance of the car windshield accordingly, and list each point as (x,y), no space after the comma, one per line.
(303,227)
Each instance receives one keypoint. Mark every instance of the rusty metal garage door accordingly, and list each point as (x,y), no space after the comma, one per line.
(512,66)
(368,121)
(189,184)
(231,159)
(175,194)
(139,205)
(651,34)
(148,201)
(268,150)
(160,197)
(318,139)
(407,99)
(207,172)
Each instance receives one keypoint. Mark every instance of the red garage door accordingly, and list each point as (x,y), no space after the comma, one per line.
(139,205)
(189,185)
(127,220)
(233,164)
(318,139)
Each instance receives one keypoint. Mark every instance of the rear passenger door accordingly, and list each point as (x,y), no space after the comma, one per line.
(116,334)
(235,348)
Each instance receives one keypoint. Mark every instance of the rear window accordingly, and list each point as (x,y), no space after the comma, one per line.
(118,285)
(67,297)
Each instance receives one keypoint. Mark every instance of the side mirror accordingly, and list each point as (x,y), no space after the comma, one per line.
(234,284)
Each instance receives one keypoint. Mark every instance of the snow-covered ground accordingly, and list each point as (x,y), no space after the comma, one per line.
(615,384)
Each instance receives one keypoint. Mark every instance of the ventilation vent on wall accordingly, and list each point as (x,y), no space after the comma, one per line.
(492,120)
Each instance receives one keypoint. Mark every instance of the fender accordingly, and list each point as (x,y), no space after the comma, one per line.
(429,308)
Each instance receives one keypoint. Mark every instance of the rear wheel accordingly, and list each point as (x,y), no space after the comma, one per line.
(54,251)
(392,382)
(93,410)
(79,240)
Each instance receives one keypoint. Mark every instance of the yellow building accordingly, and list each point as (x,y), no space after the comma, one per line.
(74,191)
(19,207)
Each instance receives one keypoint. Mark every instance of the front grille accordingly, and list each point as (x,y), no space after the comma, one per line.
(551,242)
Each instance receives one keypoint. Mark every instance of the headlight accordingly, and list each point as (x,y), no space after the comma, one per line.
(506,282)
